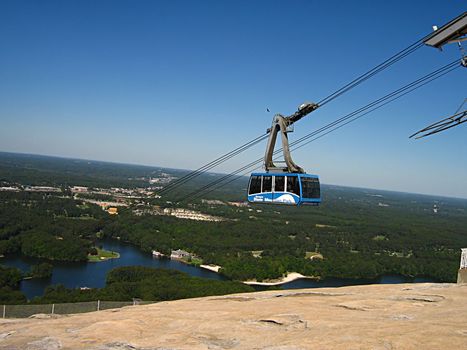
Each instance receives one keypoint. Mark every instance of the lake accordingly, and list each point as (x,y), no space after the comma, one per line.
(93,275)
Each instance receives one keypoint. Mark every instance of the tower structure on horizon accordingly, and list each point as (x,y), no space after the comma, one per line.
(462,273)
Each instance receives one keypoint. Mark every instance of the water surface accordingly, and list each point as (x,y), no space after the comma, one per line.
(93,275)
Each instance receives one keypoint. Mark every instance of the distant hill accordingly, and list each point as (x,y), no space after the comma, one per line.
(40,170)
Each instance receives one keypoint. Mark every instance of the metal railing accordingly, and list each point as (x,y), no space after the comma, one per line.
(27,310)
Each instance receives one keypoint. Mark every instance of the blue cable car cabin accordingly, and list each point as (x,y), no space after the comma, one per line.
(284,188)
(284,185)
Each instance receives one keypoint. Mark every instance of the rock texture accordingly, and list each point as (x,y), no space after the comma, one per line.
(403,316)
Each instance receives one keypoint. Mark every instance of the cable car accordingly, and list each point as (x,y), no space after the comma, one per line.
(284,188)
(287,184)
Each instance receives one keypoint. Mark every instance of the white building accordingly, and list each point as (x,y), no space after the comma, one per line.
(179,254)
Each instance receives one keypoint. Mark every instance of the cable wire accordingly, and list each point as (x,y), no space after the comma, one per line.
(357,81)
(193,174)
(350,117)
(380,67)
(381,99)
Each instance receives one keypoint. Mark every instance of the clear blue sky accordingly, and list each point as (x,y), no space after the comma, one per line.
(178,83)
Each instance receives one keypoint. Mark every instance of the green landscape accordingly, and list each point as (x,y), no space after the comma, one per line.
(355,233)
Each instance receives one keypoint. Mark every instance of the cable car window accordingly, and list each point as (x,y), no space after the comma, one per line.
(279,183)
(310,188)
(255,185)
(267,183)
(292,185)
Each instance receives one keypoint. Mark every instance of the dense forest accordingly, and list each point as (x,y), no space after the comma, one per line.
(126,283)
(9,283)
(365,246)
(355,233)
(45,226)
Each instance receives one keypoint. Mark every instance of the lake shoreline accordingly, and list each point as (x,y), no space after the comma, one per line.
(290,277)
(213,268)
(82,273)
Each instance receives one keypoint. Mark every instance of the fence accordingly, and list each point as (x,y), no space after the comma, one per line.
(27,310)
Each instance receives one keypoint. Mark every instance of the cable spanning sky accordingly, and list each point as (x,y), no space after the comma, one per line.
(178,83)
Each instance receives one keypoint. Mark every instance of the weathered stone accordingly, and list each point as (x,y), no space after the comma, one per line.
(401,316)
(47,343)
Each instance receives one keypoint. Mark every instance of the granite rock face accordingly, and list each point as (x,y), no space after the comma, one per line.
(402,316)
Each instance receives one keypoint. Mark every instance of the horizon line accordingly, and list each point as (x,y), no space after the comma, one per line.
(208,172)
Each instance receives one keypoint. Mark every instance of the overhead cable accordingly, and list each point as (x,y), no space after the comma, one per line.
(357,81)
(454,64)
(444,124)
(375,70)
(191,175)
(348,118)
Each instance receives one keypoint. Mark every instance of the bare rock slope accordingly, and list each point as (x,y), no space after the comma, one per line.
(403,316)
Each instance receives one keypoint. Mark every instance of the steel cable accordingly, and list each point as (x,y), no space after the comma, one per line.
(211,164)
(357,81)
(335,125)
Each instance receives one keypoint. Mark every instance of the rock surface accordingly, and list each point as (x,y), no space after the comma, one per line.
(402,316)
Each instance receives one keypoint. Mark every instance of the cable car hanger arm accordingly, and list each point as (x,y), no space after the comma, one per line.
(282,124)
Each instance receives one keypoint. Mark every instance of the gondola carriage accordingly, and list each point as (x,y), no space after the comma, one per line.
(284,185)
(292,189)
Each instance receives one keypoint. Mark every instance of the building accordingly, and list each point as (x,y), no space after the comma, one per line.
(180,254)
(79,189)
(157,254)
(238,204)
(112,211)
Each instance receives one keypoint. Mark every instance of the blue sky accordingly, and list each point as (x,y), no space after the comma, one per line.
(178,83)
